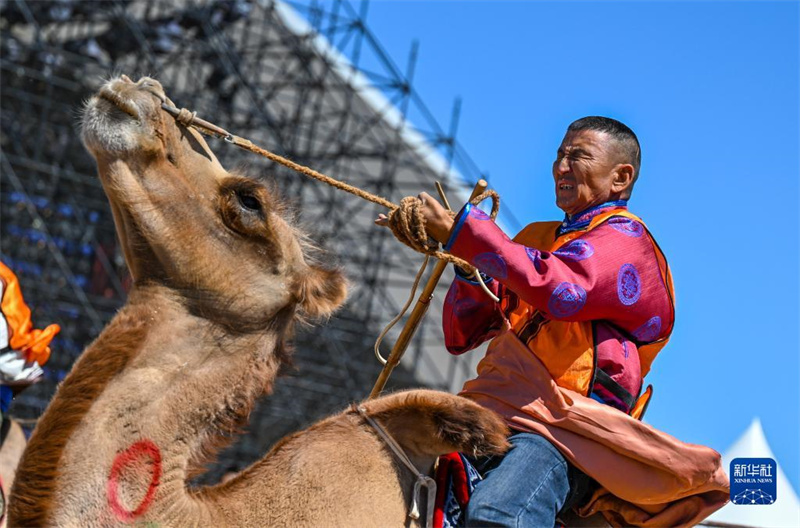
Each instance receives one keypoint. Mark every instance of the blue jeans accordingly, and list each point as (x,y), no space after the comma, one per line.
(527,489)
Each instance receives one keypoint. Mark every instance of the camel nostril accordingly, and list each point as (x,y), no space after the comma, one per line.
(147,82)
(154,87)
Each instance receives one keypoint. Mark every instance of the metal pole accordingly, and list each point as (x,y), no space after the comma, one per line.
(416,316)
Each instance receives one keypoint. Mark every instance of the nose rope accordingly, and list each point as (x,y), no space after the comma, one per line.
(405,220)
(185,117)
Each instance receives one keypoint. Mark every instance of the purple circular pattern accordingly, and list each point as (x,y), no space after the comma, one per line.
(628,284)
(575,250)
(491,264)
(474,212)
(567,299)
(648,331)
(464,307)
(626,226)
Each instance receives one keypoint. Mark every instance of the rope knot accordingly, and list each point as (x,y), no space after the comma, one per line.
(185,117)
(408,226)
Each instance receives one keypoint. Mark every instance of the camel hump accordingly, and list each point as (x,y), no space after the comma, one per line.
(432,423)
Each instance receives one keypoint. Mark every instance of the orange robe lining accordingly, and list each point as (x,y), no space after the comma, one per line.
(647,477)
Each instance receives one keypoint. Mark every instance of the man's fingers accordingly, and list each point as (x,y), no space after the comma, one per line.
(382,220)
(430,209)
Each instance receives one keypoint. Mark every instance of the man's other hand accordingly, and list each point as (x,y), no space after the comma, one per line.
(437,219)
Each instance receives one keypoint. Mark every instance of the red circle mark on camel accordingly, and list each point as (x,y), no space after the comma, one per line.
(140,450)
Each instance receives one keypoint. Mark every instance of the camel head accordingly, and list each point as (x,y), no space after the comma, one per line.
(216,239)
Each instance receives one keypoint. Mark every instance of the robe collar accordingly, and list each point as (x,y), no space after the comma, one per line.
(582,220)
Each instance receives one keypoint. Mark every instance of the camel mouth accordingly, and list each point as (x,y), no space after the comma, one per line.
(116,117)
(131,98)
(107,93)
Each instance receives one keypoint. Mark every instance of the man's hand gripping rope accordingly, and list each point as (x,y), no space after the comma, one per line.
(422,223)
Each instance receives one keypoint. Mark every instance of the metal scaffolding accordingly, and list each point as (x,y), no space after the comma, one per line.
(308,81)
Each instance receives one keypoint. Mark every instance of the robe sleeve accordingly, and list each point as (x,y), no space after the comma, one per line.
(609,273)
(469,316)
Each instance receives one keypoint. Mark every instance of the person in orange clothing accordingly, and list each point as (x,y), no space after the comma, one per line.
(585,306)
(23,351)
(23,348)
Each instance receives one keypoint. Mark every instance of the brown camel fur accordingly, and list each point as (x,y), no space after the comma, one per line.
(219,277)
(10,453)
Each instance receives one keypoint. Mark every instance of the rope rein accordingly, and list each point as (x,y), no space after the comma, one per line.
(403,310)
(423,481)
(408,225)
(405,220)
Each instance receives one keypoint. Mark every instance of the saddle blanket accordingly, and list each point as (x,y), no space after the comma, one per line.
(455,480)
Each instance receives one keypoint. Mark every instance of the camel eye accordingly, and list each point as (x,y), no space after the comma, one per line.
(249,202)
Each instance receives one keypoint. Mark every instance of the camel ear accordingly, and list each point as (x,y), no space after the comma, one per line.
(322,291)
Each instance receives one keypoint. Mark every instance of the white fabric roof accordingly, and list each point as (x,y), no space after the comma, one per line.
(785,512)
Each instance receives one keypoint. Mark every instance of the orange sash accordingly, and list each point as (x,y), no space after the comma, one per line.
(33,343)
(567,348)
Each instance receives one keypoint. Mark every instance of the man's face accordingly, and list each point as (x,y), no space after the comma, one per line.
(584,170)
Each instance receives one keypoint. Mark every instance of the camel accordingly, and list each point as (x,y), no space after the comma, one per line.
(220,277)
(11,451)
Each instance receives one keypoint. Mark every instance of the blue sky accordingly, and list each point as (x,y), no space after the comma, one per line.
(711,89)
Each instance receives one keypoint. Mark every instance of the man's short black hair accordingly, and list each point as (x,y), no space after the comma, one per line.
(628,141)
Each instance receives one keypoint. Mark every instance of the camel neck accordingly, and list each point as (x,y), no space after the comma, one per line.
(152,397)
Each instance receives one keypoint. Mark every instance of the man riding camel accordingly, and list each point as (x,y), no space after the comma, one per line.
(585,306)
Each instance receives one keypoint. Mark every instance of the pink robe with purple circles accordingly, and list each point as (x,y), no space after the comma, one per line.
(608,275)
